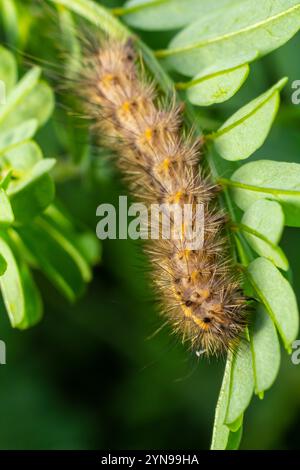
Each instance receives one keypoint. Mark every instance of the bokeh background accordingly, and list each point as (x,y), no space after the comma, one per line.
(92,375)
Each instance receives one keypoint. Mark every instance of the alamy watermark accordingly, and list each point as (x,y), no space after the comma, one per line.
(296,93)
(183,223)
(2,352)
(295,357)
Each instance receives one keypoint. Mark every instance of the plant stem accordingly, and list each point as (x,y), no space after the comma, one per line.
(134,8)
(249,187)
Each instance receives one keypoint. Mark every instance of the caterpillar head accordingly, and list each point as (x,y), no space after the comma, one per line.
(212,319)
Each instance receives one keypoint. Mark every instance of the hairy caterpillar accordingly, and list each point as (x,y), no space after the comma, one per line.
(200,294)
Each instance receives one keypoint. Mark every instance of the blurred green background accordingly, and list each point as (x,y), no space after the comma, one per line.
(90,375)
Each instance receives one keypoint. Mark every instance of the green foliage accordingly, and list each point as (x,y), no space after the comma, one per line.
(96,14)
(3,265)
(265,179)
(263,224)
(6,213)
(20,295)
(10,20)
(165,14)
(244,132)
(11,138)
(265,349)
(57,257)
(241,384)
(216,88)
(29,238)
(278,297)
(221,432)
(216,49)
(19,92)
(230,36)
(8,69)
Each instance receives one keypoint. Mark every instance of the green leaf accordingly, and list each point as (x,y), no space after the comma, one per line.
(11,286)
(265,349)
(155,15)
(224,437)
(37,104)
(21,298)
(8,69)
(57,257)
(71,41)
(12,137)
(97,15)
(85,241)
(215,88)
(89,247)
(32,299)
(234,439)
(263,225)
(278,297)
(279,181)
(220,431)
(20,91)
(23,157)
(69,240)
(31,194)
(236,425)
(7,177)
(3,265)
(244,132)
(6,213)
(233,35)
(241,383)
(10,21)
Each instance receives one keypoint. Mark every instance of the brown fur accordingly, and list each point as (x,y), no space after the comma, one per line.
(200,296)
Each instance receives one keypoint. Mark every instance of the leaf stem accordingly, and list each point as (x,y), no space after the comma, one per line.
(260,189)
(121,11)
(197,81)
(244,228)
